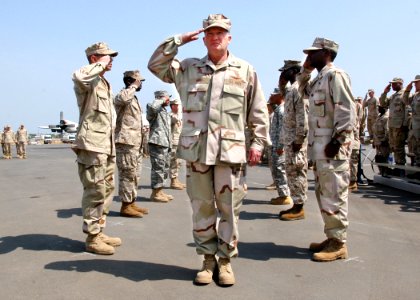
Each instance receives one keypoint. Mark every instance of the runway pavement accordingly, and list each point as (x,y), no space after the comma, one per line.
(42,245)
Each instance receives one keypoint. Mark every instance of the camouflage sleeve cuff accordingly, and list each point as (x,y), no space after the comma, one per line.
(178,39)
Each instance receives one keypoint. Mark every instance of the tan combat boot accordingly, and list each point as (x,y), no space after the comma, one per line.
(128,211)
(333,251)
(112,241)
(158,196)
(205,275)
(94,244)
(318,247)
(353,186)
(169,197)
(140,209)
(294,213)
(176,184)
(282,200)
(226,276)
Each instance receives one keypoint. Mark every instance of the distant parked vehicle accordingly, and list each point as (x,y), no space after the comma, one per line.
(47,139)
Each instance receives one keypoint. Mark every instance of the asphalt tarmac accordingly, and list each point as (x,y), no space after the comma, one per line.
(42,245)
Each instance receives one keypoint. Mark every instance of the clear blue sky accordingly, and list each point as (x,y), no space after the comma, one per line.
(43,42)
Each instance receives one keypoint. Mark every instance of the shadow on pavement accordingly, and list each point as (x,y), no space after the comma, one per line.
(132,270)
(265,251)
(39,242)
(408,202)
(68,213)
(245,215)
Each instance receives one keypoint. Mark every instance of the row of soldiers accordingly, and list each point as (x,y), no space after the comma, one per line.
(9,138)
(402,121)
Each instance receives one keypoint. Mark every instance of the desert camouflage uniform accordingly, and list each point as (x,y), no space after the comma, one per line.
(330,117)
(160,141)
(355,152)
(218,102)
(128,139)
(278,167)
(176,126)
(8,140)
(414,102)
(21,142)
(295,130)
(94,144)
(372,106)
(397,124)
(381,138)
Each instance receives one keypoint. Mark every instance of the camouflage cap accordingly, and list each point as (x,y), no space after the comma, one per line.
(135,74)
(161,94)
(290,64)
(371,90)
(397,79)
(175,101)
(417,78)
(100,48)
(217,20)
(322,43)
(358,99)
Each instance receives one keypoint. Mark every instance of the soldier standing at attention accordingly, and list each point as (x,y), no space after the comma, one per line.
(8,140)
(220,95)
(331,122)
(278,165)
(128,142)
(160,143)
(21,141)
(414,102)
(355,152)
(372,104)
(294,137)
(95,146)
(381,139)
(397,130)
(176,126)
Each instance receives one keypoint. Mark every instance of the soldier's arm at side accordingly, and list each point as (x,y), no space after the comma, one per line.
(302,126)
(344,112)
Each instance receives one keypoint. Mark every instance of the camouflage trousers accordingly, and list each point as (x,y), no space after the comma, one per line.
(175,163)
(21,149)
(297,171)
(278,170)
(215,190)
(397,138)
(159,159)
(331,190)
(98,187)
(139,166)
(370,122)
(7,149)
(354,162)
(127,162)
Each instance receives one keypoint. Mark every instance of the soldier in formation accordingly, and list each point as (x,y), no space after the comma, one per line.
(414,101)
(160,144)
(175,163)
(293,135)
(331,122)
(95,146)
(217,105)
(128,143)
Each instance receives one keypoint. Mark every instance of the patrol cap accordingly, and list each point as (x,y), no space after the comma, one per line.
(417,78)
(322,43)
(135,74)
(175,101)
(397,79)
(217,20)
(358,99)
(100,48)
(371,90)
(161,94)
(290,64)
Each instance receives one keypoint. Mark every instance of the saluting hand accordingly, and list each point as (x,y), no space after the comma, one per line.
(191,36)
(387,89)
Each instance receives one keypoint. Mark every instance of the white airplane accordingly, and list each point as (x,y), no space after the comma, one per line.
(64,126)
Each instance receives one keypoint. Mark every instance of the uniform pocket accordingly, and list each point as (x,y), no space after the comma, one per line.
(319,99)
(189,144)
(197,97)
(232,146)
